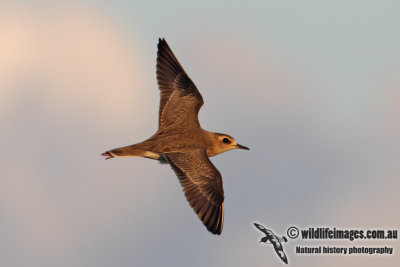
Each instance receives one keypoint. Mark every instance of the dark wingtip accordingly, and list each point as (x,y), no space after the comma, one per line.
(162,45)
(256,224)
(161,41)
(215,232)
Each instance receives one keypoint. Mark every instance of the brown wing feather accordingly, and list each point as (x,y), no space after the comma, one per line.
(202,184)
(180,101)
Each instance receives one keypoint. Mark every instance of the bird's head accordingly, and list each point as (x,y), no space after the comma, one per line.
(221,143)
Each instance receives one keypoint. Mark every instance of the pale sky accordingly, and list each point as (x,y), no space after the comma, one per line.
(312,88)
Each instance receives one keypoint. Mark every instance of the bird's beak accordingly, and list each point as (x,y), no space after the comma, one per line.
(242,147)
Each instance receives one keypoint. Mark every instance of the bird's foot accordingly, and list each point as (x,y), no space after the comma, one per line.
(107,155)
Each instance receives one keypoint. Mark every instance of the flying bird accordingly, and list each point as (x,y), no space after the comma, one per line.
(182,143)
(274,240)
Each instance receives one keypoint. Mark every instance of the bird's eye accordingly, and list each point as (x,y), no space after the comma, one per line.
(226,140)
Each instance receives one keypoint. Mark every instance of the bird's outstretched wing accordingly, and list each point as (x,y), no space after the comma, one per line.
(261,228)
(180,101)
(202,184)
(281,254)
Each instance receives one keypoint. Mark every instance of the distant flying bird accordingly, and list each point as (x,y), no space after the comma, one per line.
(274,240)
(181,142)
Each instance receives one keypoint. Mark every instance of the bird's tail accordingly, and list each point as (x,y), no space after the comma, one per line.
(136,150)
